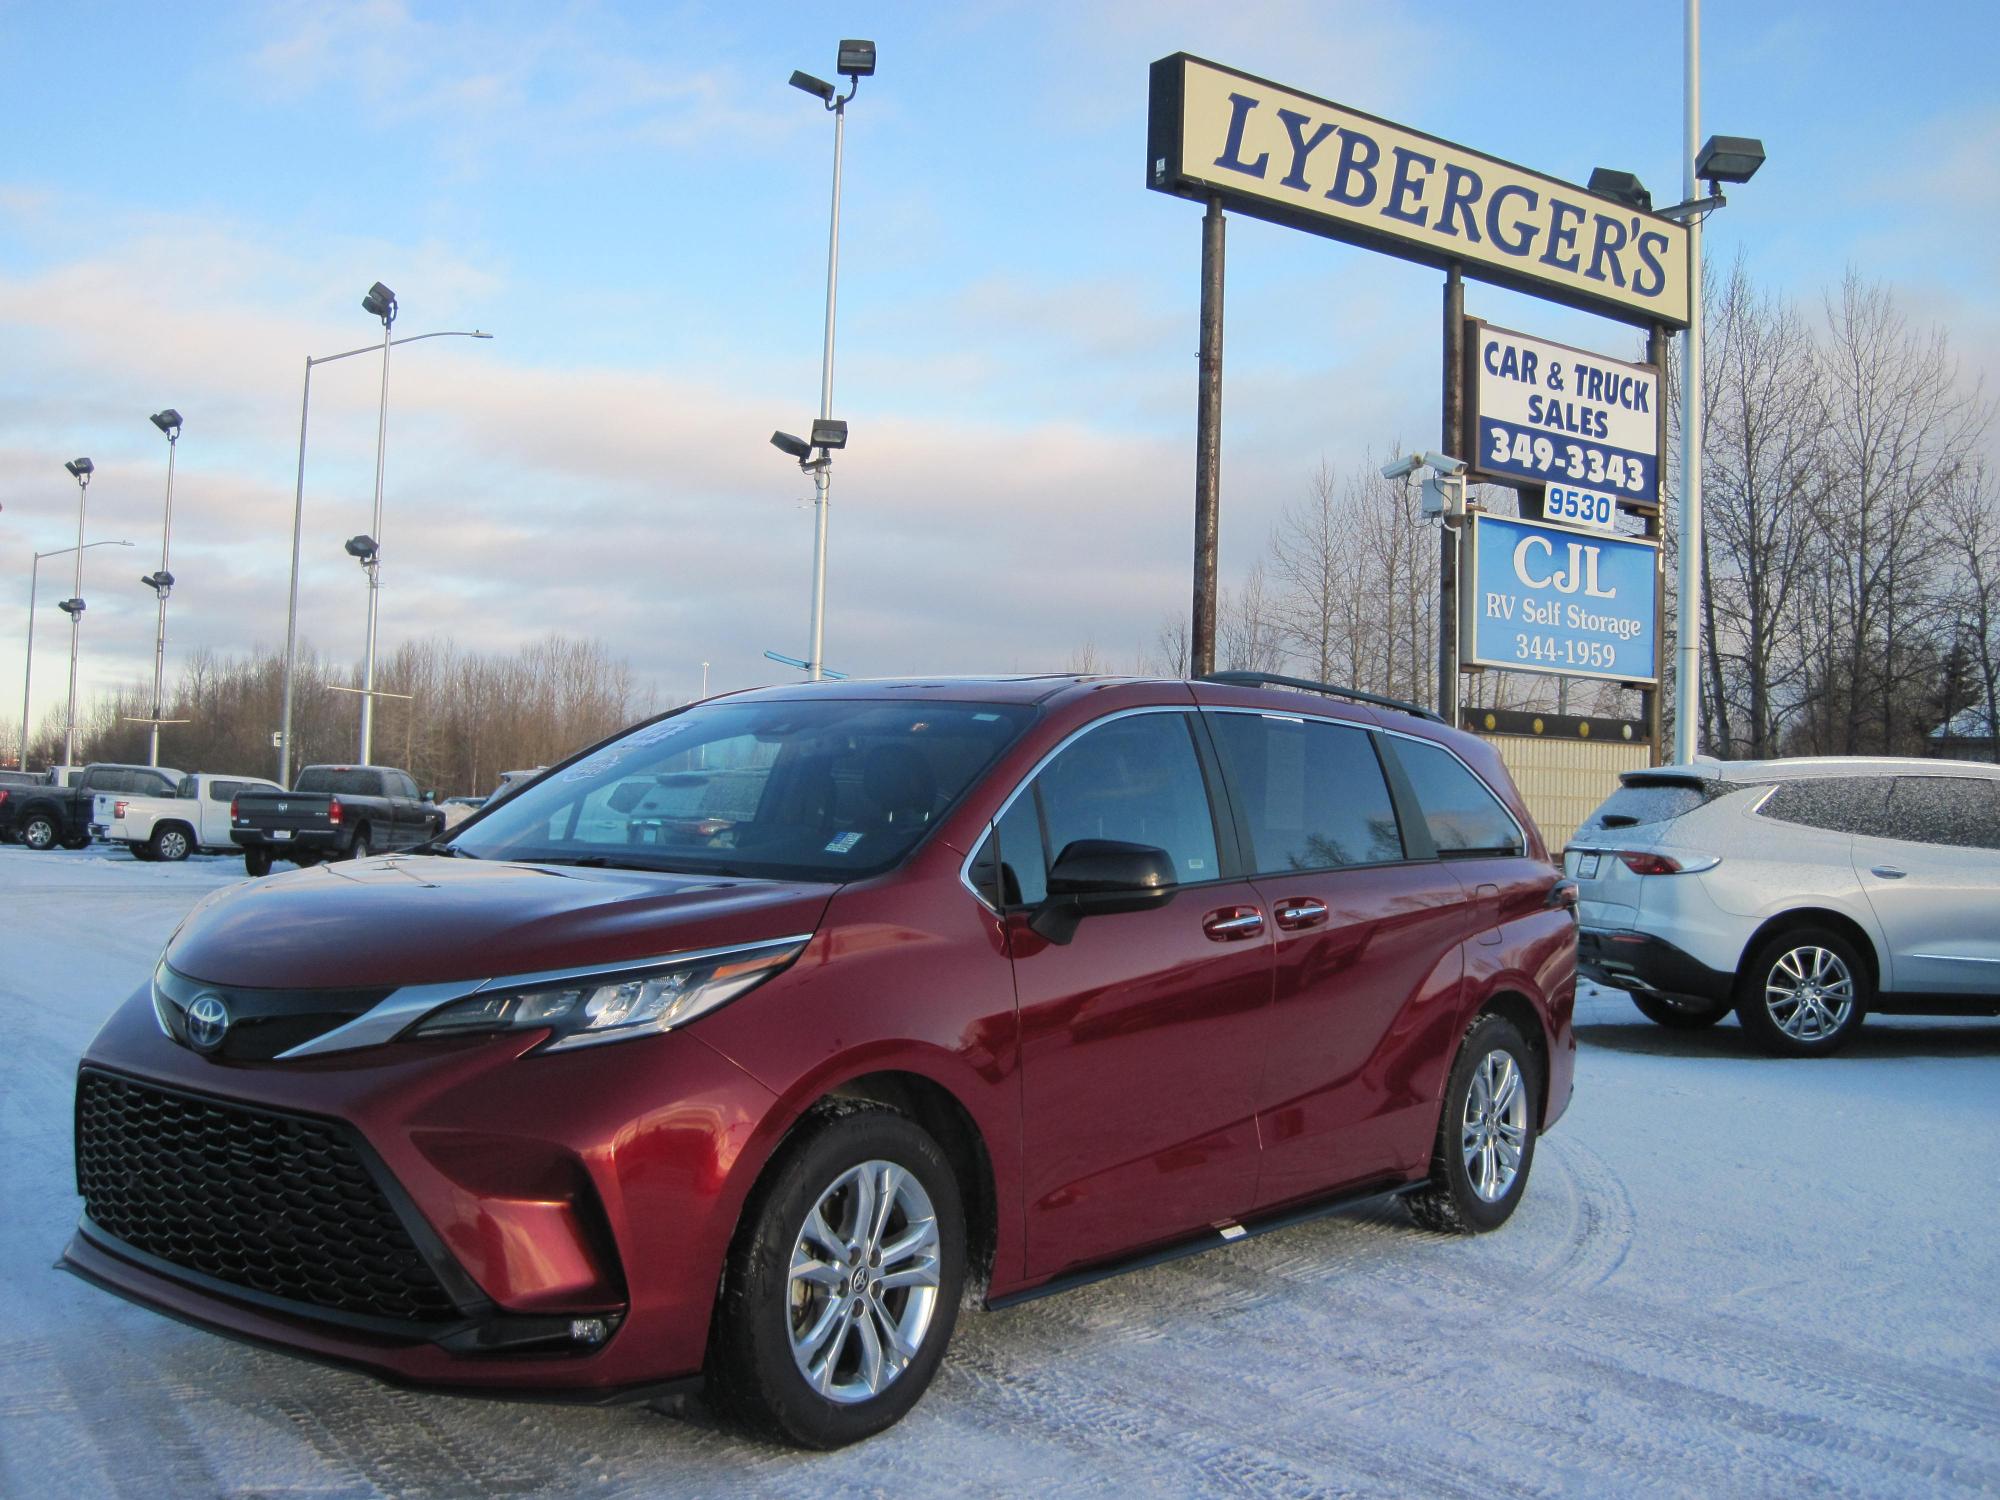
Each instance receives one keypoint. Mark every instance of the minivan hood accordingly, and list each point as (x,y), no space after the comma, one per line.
(421,920)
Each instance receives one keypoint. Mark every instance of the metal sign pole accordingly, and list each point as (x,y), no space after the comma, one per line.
(1208,444)
(1454,444)
(1649,698)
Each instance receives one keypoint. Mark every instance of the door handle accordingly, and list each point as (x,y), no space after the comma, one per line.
(1888,872)
(1231,924)
(1300,911)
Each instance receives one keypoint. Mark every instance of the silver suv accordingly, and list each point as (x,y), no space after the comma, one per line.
(1800,893)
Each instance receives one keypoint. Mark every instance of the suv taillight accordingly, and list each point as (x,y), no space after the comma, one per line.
(333,810)
(1640,862)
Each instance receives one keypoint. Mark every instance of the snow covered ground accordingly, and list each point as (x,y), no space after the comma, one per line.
(1731,1276)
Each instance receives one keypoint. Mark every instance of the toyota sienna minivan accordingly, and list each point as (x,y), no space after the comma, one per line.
(738,1048)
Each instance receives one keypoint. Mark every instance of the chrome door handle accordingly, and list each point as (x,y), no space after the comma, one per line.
(1233,923)
(1300,911)
(1888,872)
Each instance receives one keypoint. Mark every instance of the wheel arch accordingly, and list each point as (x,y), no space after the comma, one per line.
(1815,916)
(1526,1017)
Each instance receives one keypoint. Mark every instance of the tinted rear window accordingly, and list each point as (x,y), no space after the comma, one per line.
(342,783)
(1837,804)
(1962,812)
(1656,802)
(1313,793)
(1465,818)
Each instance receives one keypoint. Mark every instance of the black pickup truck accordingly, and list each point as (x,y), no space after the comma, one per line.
(43,817)
(333,812)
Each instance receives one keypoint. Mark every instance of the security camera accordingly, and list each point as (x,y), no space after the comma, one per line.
(1403,468)
(1444,463)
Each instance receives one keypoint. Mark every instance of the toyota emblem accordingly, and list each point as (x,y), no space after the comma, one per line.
(207,1023)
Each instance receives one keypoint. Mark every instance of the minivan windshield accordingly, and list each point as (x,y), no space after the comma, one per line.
(820,789)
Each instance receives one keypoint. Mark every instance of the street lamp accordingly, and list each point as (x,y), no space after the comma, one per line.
(80,470)
(28,657)
(854,61)
(298,509)
(380,303)
(162,582)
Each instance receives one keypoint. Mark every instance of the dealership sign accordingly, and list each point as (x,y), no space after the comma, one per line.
(1276,154)
(1548,414)
(1540,598)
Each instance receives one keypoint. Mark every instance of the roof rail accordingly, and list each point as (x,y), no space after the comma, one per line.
(1330,689)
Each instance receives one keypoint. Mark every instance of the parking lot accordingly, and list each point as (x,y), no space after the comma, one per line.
(1730,1276)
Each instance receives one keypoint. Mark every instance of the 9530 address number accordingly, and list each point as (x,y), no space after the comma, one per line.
(1513,451)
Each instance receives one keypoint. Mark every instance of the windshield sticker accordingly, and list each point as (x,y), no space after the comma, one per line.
(596,765)
(657,733)
(984,718)
(843,842)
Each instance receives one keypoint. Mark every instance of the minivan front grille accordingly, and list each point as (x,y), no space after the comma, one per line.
(275,1203)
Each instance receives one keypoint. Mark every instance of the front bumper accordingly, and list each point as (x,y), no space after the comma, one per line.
(1641,963)
(599,1185)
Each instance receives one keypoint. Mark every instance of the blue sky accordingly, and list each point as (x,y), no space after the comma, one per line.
(632,200)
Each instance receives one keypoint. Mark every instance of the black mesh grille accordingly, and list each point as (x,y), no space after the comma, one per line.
(272,1202)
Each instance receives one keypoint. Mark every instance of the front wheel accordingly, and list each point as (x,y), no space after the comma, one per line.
(1486,1138)
(1804,993)
(843,1284)
(1679,1015)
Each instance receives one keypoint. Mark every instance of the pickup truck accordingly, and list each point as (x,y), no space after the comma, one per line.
(14,785)
(60,814)
(332,812)
(195,818)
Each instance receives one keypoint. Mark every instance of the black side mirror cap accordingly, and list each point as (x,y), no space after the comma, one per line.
(1098,877)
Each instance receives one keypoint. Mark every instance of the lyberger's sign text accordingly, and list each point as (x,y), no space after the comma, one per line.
(1319,166)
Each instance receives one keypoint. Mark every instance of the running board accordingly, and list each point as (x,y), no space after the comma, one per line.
(1229,1232)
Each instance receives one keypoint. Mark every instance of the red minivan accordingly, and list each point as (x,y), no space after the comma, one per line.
(738,1047)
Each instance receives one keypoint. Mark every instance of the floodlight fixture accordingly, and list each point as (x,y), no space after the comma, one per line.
(1729,158)
(819,88)
(381,303)
(81,469)
(168,421)
(796,447)
(829,433)
(1620,187)
(362,549)
(70,607)
(161,583)
(857,59)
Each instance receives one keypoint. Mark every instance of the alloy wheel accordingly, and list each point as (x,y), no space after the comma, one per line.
(864,1281)
(1495,1125)
(1809,993)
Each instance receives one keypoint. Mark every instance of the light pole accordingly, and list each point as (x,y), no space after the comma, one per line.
(382,303)
(298,517)
(855,61)
(80,470)
(162,582)
(28,657)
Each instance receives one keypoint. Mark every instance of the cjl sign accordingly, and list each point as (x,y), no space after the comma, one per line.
(1541,598)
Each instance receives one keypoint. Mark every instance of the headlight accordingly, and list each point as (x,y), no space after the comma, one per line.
(589,1008)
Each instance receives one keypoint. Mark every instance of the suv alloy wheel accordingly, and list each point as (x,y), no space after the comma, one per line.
(1486,1137)
(1804,993)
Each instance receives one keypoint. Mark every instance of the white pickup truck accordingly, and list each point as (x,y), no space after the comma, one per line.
(195,818)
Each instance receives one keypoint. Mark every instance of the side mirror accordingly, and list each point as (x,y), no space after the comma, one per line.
(1097,877)
(431,795)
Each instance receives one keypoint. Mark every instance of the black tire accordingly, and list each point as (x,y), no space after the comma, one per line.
(359,848)
(76,841)
(1450,1202)
(171,843)
(752,1373)
(257,861)
(1785,1001)
(1680,1015)
(39,831)
(142,852)
(305,859)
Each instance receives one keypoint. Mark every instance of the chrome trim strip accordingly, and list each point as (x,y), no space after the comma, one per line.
(1957,958)
(393,1014)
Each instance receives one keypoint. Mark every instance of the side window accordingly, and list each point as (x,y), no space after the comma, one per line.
(1136,780)
(1313,793)
(1020,876)
(187,788)
(223,791)
(1838,804)
(1464,816)
(111,781)
(1960,811)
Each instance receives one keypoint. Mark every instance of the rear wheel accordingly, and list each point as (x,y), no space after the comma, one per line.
(76,841)
(843,1285)
(1804,993)
(38,831)
(141,852)
(1680,1015)
(1486,1138)
(257,860)
(171,843)
(359,848)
